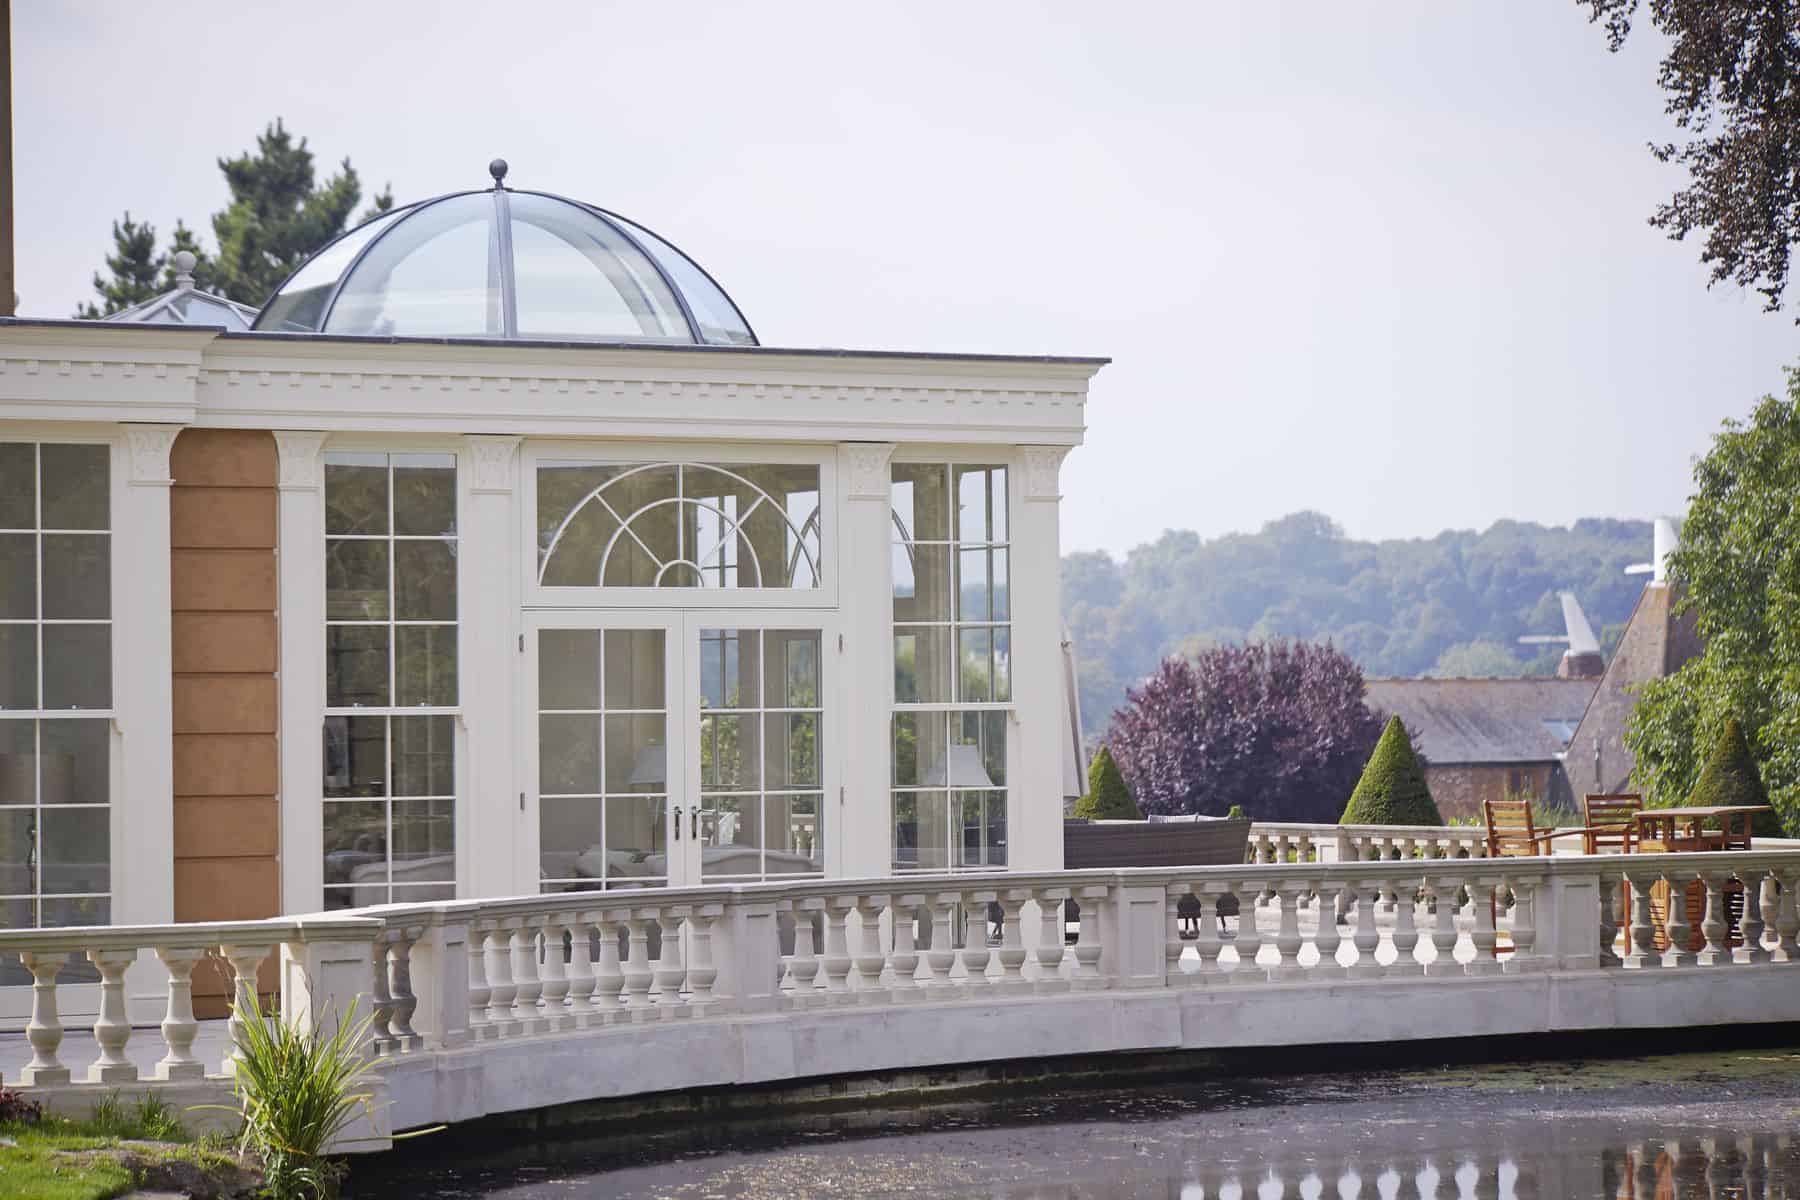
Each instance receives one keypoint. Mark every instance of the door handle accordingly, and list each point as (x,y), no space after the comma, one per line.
(694,821)
(678,822)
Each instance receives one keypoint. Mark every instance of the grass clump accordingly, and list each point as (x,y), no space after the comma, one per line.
(1392,790)
(120,1147)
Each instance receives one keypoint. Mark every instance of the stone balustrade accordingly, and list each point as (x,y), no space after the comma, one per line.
(474,977)
(1293,841)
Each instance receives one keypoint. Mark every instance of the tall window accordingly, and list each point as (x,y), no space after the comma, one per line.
(390,678)
(669,525)
(55,685)
(952,666)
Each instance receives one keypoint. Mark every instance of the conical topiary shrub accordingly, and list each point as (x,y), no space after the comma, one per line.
(1730,777)
(1107,799)
(1392,789)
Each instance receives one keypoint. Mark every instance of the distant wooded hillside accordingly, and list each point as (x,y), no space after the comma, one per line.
(1454,604)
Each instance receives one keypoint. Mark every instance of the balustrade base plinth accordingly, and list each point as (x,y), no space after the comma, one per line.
(112,1073)
(44,1076)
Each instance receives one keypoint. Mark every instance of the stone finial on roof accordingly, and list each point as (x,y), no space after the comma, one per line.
(184,269)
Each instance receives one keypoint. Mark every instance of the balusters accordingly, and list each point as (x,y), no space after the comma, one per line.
(1249,938)
(1752,925)
(1328,937)
(555,977)
(112,1027)
(1642,955)
(401,989)
(44,1031)
(501,988)
(1484,898)
(609,973)
(870,961)
(1676,926)
(381,1002)
(178,1026)
(1717,951)
(1524,927)
(1443,891)
(1406,932)
(480,1028)
(1787,920)
(528,985)
(975,948)
(1088,950)
(906,951)
(1287,937)
(942,955)
(637,964)
(701,970)
(245,962)
(805,964)
(670,972)
(1173,946)
(837,949)
(1012,980)
(582,981)
(1050,947)
(1609,922)
(1207,944)
(1367,938)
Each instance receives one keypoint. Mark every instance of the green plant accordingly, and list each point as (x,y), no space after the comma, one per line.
(1235,813)
(16,1108)
(1730,777)
(1392,790)
(298,1092)
(1107,799)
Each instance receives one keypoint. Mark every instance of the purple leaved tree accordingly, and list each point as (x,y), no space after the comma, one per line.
(1280,728)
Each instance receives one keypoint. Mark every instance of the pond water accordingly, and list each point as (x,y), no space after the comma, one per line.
(1716,1125)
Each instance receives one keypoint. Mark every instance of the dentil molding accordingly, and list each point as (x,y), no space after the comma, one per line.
(867,464)
(302,467)
(148,447)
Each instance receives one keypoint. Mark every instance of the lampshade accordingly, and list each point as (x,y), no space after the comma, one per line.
(650,766)
(966,769)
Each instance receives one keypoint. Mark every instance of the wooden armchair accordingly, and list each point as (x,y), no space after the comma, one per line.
(1611,821)
(1510,830)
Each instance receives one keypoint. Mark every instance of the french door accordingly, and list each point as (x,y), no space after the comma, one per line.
(676,748)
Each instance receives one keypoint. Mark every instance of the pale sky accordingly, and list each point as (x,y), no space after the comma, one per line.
(1386,259)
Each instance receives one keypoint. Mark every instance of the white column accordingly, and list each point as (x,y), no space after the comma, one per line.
(143,850)
(1034,741)
(300,620)
(865,669)
(496,840)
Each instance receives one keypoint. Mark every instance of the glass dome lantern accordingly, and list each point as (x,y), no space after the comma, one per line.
(505,263)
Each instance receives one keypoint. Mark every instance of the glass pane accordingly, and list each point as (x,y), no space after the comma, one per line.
(424,841)
(722,655)
(569,668)
(978,756)
(76,853)
(77,666)
(569,839)
(356,493)
(18,666)
(731,837)
(921,583)
(77,576)
(1002,593)
(975,665)
(728,752)
(436,274)
(576,277)
(425,580)
(18,850)
(922,664)
(355,756)
(636,754)
(339,898)
(921,493)
(425,494)
(997,503)
(1002,664)
(569,755)
(76,762)
(980,504)
(18,762)
(18,576)
(794,844)
(974,593)
(424,756)
(916,734)
(645,500)
(921,831)
(792,678)
(300,305)
(718,318)
(570,553)
(356,849)
(420,893)
(75,482)
(18,485)
(356,580)
(356,665)
(637,833)
(425,665)
(636,669)
(793,751)
(982,838)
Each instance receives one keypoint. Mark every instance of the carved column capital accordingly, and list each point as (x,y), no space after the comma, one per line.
(302,467)
(490,461)
(866,471)
(149,447)
(1042,464)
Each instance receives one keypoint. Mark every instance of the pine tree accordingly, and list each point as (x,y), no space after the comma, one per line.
(134,265)
(1730,777)
(1107,799)
(1392,790)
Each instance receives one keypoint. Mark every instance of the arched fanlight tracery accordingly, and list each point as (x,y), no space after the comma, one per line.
(684,524)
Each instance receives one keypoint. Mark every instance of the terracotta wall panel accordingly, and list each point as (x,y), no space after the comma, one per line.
(225,704)
(224,458)
(223,580)
(222,517)
(226,889)
(224,643)
(227,826)
(225,764)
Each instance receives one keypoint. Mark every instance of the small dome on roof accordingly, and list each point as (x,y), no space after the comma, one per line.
(504,263)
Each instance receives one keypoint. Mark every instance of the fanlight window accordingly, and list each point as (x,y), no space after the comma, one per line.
(670,525)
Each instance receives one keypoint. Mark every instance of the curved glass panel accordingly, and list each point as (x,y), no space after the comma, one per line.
(436,274)
(300,304)
(719,320)
(576,277)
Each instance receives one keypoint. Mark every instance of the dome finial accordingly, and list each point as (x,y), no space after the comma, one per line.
(497,169)
(184,268)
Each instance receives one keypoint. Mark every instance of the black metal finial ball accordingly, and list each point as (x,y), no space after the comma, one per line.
(497,169)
